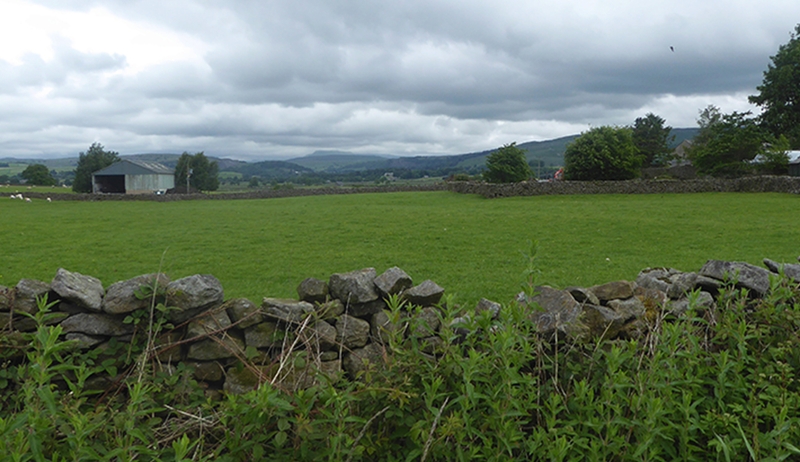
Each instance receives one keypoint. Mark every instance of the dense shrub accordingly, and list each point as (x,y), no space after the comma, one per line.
(507,165)
(602,153)
(719,384)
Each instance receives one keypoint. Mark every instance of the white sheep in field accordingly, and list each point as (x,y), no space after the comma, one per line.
(48,200)
(19,196)
(12,196)
(27,199)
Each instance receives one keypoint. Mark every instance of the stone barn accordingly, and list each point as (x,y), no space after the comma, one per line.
(133,177)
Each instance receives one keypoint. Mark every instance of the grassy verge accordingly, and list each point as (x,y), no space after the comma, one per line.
(469,245)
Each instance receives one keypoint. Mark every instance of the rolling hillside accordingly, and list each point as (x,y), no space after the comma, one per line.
(549,152)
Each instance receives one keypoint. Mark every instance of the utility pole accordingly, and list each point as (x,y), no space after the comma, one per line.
(188,175)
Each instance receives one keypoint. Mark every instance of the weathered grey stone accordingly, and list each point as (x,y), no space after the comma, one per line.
(26,292)
(124,296)
(192,295)
(628,309)
(426,322)
(207,371)
(300,372)
(286,310)
(355,287)
(331,370)
(381,327)
(83,341)
(656,278)
(582,295)
(681,284)
(393,281)
(558,313)
(323,334)
(208,322)
(352,332)
(359,360)
(240,380)
(603,322)
(5,298)
(613,290)
(490,306)
(678,308)
(96,324)
(790,270)
(85,291)
(330,309)
(426,293)
(331,355)
(243,312)
(748,276)
(313,290)
(70,308)
(652,299)
(364,310)
(265,335)
(707,284)
(26,324)
(210,349)
(167,350)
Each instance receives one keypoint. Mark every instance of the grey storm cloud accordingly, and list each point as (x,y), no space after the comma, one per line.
(282,78)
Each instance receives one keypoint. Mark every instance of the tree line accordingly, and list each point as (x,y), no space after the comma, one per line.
(727,144)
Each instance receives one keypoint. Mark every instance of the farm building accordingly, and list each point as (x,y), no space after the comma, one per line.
(133,177)
(794,163)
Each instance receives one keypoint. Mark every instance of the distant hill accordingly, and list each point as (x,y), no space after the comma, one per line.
(549,152)
(339,161)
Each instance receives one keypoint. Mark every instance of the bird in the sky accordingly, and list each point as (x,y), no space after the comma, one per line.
(672,48)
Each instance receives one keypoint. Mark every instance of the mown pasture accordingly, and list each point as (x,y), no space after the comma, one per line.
(469,245)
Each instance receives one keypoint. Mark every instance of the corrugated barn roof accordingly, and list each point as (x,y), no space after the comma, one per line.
(135,167)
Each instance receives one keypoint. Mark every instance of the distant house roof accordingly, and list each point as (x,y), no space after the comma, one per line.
(135,167)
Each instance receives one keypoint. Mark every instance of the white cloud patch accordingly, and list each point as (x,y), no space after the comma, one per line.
(256,80)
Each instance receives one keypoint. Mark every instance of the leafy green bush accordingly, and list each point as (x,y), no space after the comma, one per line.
(507,165)
(602,153)
(718,384)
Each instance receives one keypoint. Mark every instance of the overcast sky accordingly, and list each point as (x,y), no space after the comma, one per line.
(274,79)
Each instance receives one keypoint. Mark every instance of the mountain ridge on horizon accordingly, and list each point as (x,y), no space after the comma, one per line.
(549,152)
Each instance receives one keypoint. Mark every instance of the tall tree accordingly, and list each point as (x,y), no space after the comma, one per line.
(507,165)
(779,94)
(602,153)
(652,139)
(94,159)
(726,144)
(38,174)
(204,173)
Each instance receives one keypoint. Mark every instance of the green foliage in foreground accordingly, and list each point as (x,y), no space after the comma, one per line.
(719,385)
(467,244)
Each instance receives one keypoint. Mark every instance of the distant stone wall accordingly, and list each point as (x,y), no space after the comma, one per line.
(255,194)
(784,184)
(335,329)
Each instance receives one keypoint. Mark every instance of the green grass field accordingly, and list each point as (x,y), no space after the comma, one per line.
(469,245)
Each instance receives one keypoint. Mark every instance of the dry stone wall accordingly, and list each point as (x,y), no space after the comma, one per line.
(784,184)
(335,329)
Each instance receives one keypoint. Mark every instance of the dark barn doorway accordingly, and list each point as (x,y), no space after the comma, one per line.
(110,184)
